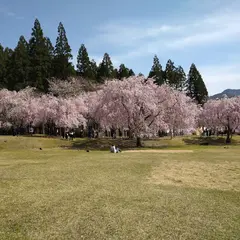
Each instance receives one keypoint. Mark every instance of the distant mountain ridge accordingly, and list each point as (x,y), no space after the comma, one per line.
(228,92)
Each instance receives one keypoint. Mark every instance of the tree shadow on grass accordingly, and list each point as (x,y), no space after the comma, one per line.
(126,144)
(102,144)
(214,141)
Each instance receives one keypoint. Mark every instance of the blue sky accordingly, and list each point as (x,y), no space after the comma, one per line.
(205,32)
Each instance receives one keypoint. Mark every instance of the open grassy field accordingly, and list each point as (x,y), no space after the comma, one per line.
(60,192)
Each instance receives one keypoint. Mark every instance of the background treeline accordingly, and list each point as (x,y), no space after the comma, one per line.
(33,62)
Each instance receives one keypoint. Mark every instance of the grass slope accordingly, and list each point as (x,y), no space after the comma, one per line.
(67,194)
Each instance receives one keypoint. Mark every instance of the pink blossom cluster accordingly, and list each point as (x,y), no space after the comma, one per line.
(221,114)
(26,107)
(142,107)
(71,87)
(135,104)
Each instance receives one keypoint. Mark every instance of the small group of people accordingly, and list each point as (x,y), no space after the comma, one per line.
(115,149)
(69,135)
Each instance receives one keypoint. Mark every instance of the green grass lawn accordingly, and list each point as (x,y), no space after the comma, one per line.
(64,193)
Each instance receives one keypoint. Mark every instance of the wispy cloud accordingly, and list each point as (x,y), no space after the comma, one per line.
(6,12)
(134,41)
(213,29)
(220,77)
(128,34)
(151,37)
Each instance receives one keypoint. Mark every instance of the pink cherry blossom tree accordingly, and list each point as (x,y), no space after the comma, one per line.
(135,103)
(181,114)
(6,102)
(46,111)
(70,112)
(23,108)
(71,87)
(16,107)
(222,113)
(139,105)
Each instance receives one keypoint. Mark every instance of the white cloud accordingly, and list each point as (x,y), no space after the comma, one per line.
(128,34)
(213,29)
(218,26)
(8,13)
(220,77)
(150,37)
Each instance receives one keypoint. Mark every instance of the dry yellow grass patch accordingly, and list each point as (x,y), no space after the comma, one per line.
(160,151)
(221,176)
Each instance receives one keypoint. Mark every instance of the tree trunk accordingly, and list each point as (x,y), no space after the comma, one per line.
(228,139)
(43,129)
(139,142)
(229,131)
(171,133)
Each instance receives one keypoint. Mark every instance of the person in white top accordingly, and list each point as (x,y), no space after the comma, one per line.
(113,149)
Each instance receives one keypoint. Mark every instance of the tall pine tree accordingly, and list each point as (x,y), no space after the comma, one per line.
(8,67)
(170,73)
(2,68)
(50,57)
(195,86)
(115,73)
(106,69)
(93,70)
(21,63)
(175,76)
(180,79)
(83,63)
(131,73)
(123,72)
(39,58)
(156,71)
(62,55)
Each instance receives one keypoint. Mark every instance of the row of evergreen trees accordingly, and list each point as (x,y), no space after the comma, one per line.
(35,61)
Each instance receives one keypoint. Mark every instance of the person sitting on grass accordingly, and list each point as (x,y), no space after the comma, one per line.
(118,150)
(113,149)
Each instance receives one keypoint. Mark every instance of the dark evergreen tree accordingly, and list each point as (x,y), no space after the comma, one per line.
(2,68)
(63,68)
(195,86)
(83,63)
(21,64)
(50,57)
(156,71)
(106,69)
(9,66)
(50,47)
(131,73)
(39,58)
(180,82)
(175,76)
(115,73)
(93,70)
(6,66)
(123,72)
(170,73)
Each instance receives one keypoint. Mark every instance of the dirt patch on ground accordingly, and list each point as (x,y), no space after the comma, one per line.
(160,151)
(221,176)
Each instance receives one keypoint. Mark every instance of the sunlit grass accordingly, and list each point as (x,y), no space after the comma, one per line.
(57,193)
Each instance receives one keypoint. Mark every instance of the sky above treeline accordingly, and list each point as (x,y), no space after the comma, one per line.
(132,31)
